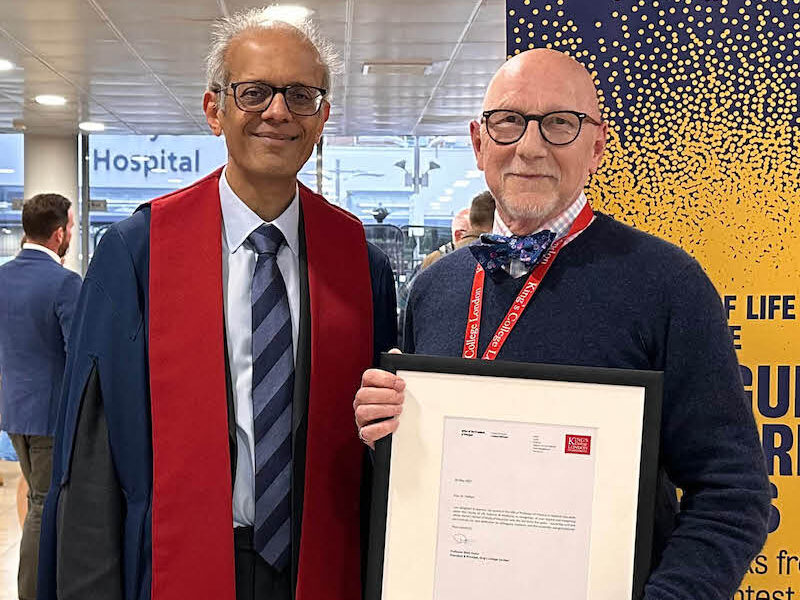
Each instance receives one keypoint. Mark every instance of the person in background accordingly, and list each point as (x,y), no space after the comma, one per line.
(612,297)
(7,448)
(479,219)
(218,342)
(7,451)
(22,485)
(37,301)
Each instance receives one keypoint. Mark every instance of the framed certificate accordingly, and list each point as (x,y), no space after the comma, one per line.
(512,480)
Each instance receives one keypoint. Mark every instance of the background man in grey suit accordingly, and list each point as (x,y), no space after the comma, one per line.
(37,300)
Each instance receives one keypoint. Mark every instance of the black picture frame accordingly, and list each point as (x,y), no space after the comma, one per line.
(650,381)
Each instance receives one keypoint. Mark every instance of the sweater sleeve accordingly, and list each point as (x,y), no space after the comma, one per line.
(709,448)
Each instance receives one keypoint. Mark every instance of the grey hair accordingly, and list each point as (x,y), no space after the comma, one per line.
(226,29)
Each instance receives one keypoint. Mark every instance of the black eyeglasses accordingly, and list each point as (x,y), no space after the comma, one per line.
(256,96)
(559,128)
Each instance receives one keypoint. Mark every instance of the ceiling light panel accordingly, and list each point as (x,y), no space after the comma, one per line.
(50,100)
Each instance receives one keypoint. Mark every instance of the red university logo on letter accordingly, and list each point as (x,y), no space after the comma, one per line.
(578,444)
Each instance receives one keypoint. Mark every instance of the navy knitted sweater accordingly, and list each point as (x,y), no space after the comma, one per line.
(617,297)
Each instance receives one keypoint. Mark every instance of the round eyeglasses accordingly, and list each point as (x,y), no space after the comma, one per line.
(256,96)
(559,128)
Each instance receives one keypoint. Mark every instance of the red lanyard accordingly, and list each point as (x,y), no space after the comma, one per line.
(473,330)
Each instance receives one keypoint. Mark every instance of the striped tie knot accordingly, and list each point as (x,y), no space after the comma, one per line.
(267,239)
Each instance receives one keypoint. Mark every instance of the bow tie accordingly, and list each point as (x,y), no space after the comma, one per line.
(495,252)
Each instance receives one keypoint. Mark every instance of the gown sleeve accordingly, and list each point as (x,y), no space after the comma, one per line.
(99,492)
(384,302)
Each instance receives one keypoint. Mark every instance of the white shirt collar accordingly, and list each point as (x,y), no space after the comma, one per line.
(40,248)
(559,224)
(239,221)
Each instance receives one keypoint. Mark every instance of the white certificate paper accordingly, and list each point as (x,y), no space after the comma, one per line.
(515,510)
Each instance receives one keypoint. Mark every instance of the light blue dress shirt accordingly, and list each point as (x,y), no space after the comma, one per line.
(238,265)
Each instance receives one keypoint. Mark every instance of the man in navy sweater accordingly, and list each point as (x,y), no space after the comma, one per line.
(612,297)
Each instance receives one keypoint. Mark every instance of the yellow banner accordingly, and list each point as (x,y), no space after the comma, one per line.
(702,101)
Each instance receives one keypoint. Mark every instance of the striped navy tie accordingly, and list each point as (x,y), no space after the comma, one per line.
(273,386)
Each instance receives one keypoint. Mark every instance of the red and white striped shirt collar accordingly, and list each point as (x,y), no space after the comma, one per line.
(559,224)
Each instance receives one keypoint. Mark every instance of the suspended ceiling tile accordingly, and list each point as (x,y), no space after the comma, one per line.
(139,66)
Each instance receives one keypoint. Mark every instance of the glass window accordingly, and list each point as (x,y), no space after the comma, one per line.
(11,194)
(404,189)
(415,185)
(127,170)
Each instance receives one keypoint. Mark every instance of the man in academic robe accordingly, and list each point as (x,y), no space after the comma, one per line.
(559,283)
(205,447)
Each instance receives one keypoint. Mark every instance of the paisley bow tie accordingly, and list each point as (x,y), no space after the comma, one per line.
(495,252)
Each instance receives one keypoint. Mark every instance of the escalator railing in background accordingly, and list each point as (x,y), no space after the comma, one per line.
(391,240)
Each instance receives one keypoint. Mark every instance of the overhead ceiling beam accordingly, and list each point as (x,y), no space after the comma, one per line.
(453,55)
(121,36)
